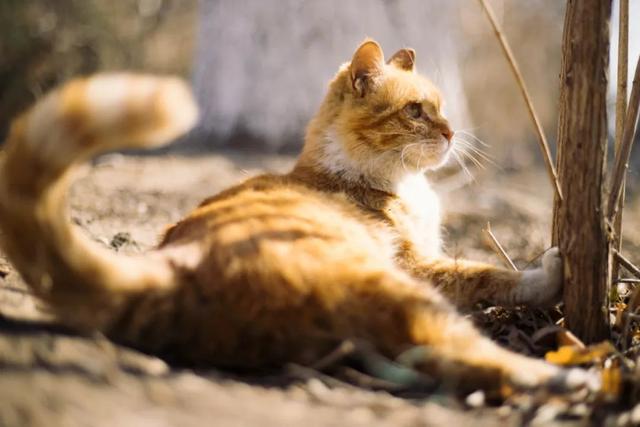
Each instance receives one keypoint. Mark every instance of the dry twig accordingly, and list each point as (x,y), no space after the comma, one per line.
(622,156)
(621,110)
(497,247)
(346,348)
(542,140)
(623,261)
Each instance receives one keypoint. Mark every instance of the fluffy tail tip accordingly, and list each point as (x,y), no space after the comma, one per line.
(165,108)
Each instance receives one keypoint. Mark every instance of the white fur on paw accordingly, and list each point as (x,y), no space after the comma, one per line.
(541,287)
(552,265)
(540,374)
(532,374)
(576,379)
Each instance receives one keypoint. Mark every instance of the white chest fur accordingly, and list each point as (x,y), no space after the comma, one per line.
(422,225)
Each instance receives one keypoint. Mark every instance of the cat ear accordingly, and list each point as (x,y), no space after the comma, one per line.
(404,59)
(366,64)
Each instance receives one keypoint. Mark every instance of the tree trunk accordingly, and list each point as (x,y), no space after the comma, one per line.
(579,227)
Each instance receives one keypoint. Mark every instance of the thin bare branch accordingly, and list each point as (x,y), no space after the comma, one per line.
(345,349)
(542,140)
(631,268)
(627,280)
(622,156)
(497,247)
(623,70)
(621,112)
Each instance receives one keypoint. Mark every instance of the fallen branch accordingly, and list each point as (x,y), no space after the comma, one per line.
(346,348)
(542,140)
(626,263)
(625,280)
(497,247)
(622,156)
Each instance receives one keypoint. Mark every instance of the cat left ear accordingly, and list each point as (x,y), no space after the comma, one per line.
(404,59)
(366,65)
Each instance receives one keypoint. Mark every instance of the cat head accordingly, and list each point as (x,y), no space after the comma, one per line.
(380,119)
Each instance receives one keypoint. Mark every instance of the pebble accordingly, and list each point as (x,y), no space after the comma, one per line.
(476,399)
(635,415)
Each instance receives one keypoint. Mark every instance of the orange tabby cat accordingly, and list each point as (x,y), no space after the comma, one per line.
(280,268)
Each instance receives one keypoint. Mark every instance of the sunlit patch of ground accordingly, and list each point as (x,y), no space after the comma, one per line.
(49,377)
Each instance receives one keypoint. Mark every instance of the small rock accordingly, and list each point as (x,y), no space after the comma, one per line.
(549,412)
(120,239)
(476,399)
(142,208)
(635,415)
(504,411)
(623,420)
(579,410)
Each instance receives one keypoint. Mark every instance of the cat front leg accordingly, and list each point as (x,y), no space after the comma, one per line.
(466,283)
(541,287)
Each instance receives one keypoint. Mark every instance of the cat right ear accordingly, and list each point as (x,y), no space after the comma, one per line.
(367,63)
(404,59)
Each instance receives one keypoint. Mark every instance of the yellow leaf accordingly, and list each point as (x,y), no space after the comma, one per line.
(620,308)
(574,355)
(611,381)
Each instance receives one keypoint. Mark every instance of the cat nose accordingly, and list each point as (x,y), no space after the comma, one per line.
(448,133)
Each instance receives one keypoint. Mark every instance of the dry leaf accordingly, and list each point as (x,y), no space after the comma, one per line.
(620,307)
(573,355)
(611,380)
(634,300)
(506,391)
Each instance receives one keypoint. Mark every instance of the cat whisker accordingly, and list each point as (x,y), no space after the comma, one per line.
(465,150)
(468,129)
(473,159)
(477,151)
(472,136)
(464,168)
(419,161)
(472,151)
(404,165)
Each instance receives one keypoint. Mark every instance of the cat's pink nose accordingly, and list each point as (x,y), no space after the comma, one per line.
(448,133)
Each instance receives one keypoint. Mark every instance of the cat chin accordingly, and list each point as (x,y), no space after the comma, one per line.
(443,160)
(427,161)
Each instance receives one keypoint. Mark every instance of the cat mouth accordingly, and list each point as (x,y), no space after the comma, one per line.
(425,154)
(438,146)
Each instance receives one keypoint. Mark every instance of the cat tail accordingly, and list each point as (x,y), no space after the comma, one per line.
(84,283)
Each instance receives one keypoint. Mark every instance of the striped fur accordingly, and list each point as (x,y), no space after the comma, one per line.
(82,119)
(282,267)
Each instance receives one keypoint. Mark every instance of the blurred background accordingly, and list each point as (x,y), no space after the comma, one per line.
(259,68)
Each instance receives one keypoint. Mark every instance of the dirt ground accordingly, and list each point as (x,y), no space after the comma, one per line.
(50,377)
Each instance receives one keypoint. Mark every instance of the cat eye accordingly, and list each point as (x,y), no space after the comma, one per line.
(414,109)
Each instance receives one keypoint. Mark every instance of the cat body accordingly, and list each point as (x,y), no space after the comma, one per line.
(281,268)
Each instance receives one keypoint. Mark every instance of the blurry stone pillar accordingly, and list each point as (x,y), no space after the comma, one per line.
(262,66)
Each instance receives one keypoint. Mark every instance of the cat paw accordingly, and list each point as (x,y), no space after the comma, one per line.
(541,287)
(552,266)
(575,379)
